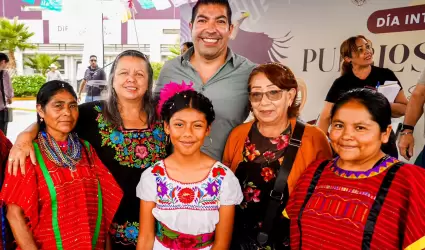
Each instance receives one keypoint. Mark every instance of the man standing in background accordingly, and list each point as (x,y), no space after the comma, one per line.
(95,73)
(414,111)
(6,93)
(54,74)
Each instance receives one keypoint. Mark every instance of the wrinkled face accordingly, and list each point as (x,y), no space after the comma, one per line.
(60,114)
(269,103)
(93,62)
(131,78)
(187,130)
(354,135)
(211,31)
(364,55)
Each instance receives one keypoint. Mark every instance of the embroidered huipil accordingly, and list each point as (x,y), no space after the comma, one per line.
(126,153)
(77,201)
(336,215)
(187,209)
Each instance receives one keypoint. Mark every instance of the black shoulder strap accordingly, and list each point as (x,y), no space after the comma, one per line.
(2,87)
(278,192)
(378,203)
(310,192)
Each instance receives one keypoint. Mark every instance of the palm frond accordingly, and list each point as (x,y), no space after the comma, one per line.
(13,35)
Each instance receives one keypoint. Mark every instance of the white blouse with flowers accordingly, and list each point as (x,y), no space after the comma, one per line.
(189,208)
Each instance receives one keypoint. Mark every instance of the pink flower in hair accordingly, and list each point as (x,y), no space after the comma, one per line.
(169,90)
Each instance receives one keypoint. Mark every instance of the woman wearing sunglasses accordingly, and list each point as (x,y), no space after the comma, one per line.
(258,150)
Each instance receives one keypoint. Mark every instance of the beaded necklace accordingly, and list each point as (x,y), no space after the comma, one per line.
(50,147)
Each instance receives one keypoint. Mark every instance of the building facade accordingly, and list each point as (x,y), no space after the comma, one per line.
(58,34)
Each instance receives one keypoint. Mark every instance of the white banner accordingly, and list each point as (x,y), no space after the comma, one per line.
(306,36)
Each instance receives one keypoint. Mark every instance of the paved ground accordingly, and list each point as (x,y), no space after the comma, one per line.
(23,115)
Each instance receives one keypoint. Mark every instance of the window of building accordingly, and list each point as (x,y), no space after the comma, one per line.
(166,47)
(171,31)
(61,68)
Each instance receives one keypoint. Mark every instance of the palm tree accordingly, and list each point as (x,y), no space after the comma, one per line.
(14,35)
(175,50)
(41,62)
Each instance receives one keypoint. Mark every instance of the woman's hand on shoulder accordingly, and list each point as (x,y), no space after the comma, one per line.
(18,154)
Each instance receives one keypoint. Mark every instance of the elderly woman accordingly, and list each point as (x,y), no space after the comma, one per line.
(364,198)
(358,72)
(68,199)
(273,147)
(125,135)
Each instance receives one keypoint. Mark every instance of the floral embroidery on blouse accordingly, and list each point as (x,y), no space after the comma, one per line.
(125,234)
(204,195)
(133,148)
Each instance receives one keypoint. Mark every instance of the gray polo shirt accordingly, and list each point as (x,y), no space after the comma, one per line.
(227,89)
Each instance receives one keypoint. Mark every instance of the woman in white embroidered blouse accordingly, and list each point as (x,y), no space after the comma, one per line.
(188,199)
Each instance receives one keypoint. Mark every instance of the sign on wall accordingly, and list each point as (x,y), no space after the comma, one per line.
(306,36)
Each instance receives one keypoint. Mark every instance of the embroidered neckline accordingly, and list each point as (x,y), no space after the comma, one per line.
(134,148)
(382,165)
(188,183)
(172,195)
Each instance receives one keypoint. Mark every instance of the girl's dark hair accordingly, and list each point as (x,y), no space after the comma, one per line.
(47,91)
(110,111)
(376,103)
(188,99)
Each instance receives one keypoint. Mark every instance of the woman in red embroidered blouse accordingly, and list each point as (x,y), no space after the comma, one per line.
(67,200)
(363,199)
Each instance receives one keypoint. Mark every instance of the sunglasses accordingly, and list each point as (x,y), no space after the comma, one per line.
(272,95)
(93,60)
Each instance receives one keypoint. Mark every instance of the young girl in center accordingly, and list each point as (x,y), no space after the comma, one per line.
(188,199)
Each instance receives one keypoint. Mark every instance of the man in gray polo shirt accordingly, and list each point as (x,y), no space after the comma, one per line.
(214,69)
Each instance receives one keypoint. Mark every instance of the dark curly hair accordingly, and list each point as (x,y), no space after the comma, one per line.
(188,99)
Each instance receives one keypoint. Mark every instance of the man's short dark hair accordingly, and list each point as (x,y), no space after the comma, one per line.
(188,44)
(4,57)
(93,56)
(224,3)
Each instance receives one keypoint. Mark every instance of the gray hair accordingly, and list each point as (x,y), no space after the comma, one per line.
(110,110)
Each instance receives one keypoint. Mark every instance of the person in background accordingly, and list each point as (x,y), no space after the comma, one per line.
(256,150)
(186,46)
(364,198)
(68,199)
(187,200)
(358,71)
(125,133)
(93,72)
(414,111)
(54,74)
(6,92)
(215,70)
